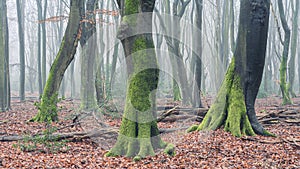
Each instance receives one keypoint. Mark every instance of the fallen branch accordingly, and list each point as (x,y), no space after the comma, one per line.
(105,133)
(61,136)
(166,114)
(178,118)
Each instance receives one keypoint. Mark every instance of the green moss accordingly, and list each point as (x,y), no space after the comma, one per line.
(217,113)
(131,7)
(283,84)
(267,133)
(237,121)
(139,135)
(170,150)
(229,108)
(47,109)
(192,128)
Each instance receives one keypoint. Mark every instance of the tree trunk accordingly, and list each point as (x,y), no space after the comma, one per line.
(20,13)
(283,65)
(99,81)
(294,42)
(47,107)
(39,55)
(2,61)
(6,59)
(197,54)
(298,65)
(232,39)
(139,135)
(88,44)
(234,105)
(44,43)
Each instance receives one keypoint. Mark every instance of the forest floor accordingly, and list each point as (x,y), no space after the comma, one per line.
(214,149)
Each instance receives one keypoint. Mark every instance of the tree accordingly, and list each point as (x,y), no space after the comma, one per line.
(6,91)
(39,54)
(294,42)
(285,53)
(88,55)
(47,107)
(139,135)
(234,105)
(197,42)
(44,43)
(3,61)
(20,13)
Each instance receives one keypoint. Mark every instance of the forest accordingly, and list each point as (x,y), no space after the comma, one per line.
(149,84)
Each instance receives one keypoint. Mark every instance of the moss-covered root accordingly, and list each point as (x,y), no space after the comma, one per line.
(237,121)
(170,149)
(192,128)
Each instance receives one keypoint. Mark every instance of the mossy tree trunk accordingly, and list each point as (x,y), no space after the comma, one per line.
(47,108)
(284,59)
(139,135)
(234,105)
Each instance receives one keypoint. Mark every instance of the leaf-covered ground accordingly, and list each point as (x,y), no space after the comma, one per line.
(214,149)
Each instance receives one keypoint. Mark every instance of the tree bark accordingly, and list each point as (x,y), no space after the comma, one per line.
(47,107)
(139,135)
(234,105)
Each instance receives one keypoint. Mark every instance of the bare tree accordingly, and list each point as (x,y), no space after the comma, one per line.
(20,13)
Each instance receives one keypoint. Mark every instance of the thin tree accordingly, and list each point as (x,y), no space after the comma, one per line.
(234,105)
(2,61)
(285,53)
(39,54)
(20,13)
(44,43)
(6,54)
(88,55)
(294,42)
(197,42)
